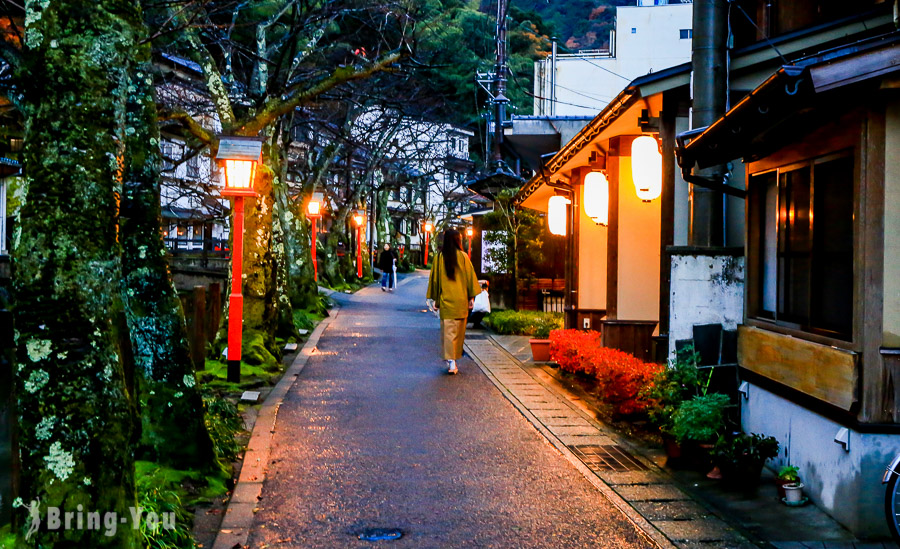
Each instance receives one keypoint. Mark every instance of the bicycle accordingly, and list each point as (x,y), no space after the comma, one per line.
(891,479)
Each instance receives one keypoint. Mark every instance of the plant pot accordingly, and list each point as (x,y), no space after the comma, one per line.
(779,484)
(673,449)
(741,477)
(540,349)
(793,493)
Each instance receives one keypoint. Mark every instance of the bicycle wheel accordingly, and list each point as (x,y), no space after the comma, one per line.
(892,506)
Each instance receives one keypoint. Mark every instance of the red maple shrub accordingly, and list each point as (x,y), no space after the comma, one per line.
(621,377)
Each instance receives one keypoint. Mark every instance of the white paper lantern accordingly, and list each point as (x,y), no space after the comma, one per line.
(596,197)
(556,215)
(646,168)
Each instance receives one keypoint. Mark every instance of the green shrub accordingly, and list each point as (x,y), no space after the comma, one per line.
(536,324)
(700,419)
(671,386)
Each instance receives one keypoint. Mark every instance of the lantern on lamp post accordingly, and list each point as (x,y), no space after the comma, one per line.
(428,228)
(239,156)
(314,212)
(646,168)
(470,232)
(359,217)
(596,197)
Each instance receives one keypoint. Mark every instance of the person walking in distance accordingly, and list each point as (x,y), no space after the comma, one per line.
(386,262)
(453,287)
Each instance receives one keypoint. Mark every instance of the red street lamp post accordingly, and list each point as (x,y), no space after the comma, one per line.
(470,232)
(239,155)
(428,228)
(314,212)
(359,218)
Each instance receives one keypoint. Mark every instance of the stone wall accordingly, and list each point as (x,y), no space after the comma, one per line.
(706,289)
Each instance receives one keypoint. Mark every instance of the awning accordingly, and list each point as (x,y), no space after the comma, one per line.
(789,101)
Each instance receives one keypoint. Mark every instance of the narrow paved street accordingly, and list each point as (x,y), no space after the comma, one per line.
(374,434)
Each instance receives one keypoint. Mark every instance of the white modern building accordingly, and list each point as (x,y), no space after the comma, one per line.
(648,37)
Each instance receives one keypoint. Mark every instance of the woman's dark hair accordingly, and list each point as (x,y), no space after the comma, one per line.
(452,242)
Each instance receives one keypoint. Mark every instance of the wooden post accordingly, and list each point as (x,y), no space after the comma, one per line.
(198,329)
(214,311)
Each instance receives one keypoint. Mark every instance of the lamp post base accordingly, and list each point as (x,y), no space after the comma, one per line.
(234,371)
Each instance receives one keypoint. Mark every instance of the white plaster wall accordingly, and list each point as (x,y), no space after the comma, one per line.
(587,83)
(845,484)
(682,218)
(638,251)
(592,261)
(704,290)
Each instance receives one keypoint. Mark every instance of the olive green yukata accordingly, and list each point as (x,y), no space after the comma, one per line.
(452,299)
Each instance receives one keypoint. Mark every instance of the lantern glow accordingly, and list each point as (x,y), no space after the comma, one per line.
(646,168)
(428,227)
(358,219)
(596,197)
(314,207)
(470,232)
(556,215)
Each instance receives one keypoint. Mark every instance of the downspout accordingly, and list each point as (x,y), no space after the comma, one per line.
(708,60)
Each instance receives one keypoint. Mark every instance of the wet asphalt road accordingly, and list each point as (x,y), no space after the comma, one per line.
(374,434)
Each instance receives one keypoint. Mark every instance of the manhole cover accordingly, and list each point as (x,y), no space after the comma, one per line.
(476,336)
(380,534)
(607,458)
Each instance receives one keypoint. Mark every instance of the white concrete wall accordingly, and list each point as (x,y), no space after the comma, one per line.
(704,290)
(682,218)
(588,82)
(845,484)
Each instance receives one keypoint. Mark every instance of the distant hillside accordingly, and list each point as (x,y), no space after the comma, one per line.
(579,24)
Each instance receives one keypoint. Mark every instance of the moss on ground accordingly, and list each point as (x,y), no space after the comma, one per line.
(192,486)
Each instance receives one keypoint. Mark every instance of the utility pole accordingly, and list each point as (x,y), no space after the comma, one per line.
(500,100)
(707,226)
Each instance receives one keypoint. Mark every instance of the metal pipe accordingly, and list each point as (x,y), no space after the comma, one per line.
(708,61)
(553,79)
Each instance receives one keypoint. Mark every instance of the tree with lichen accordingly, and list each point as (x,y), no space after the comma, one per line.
(76,420)
(173,430)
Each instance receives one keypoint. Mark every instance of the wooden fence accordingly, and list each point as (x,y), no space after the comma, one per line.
(203,313)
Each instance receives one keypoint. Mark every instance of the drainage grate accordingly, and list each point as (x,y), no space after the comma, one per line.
(607,458)
(380,534)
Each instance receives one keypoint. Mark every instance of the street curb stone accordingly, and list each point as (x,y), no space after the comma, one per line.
(238,519)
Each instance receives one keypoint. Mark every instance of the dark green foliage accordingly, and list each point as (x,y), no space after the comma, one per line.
(673,385)
(224,423)
(701,419)
(744,451)
(789,473)
(531,323)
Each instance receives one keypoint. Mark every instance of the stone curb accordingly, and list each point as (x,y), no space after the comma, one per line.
(644,527)
(238,519)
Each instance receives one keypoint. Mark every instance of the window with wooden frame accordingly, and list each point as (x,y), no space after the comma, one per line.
(801,220)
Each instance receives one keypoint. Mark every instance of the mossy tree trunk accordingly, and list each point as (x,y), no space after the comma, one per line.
(171,408)
(76,420)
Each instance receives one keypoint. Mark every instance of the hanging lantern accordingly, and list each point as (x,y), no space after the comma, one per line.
(556,214)
(646,168)
(596,197)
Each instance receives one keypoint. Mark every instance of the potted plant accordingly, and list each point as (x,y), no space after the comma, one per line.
(540,343)
(697,423)
(793,494)
(741,457)
(786,475)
